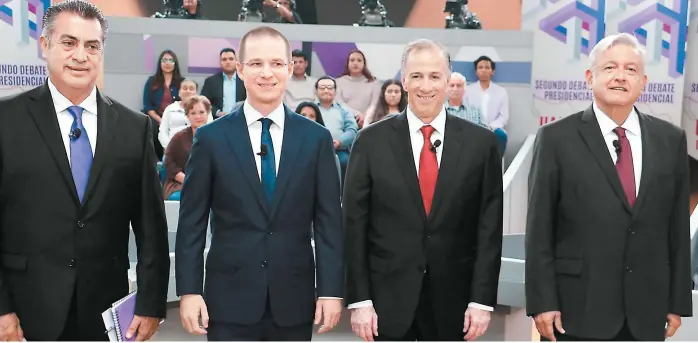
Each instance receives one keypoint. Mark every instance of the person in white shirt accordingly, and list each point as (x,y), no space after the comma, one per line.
(174,118)
(492,99)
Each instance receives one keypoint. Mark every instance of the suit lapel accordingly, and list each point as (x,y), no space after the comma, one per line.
(453,142)
(591,134)
(648,157)
(239,141)
(44,115)
(402,148)
(106,122)
(290,147)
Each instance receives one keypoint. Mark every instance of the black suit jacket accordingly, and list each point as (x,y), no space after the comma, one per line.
(591,256)
(213,90)
(52,246)
(391,241)
(258,251)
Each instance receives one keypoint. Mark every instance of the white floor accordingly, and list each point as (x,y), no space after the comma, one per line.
(171,330)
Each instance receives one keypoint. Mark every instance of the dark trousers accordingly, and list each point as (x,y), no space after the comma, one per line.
(265,330)
(624,335)
(159,149)
(424,325)
(73,331)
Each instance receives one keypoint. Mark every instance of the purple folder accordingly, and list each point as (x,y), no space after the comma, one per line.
(122,313)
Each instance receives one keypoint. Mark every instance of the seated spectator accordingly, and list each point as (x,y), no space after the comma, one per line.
(338,119)
(455,105)
(224,89)
(392,100)
(312,112)
(286,9)
(160,91)
(357,87)
(300,87)
(492,99)
(174,119)
(198,110)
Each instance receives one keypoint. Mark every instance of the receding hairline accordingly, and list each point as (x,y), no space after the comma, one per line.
(263,32)
(422,45)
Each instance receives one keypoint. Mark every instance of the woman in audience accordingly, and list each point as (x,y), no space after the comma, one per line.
(160,91)
(357,87)
(174,118)
(392,100)
(311,111)
(198,110)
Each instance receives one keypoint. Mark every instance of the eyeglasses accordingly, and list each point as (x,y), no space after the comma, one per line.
(325,88)
(168,60)
(258,66)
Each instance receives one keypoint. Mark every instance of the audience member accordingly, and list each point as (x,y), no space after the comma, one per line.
(357,87)
(160,91)
(224,89)
(175,117)
(198,112)
(492,99)
(392,100)
(311,111)
(286,10)
(301,87)
(337,118)
(455,104)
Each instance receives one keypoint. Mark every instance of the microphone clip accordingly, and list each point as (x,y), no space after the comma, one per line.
(435,145)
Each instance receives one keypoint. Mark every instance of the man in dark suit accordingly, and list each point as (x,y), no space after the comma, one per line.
(75,168)
(607,237)
(260,279)
(423,214)
(224,89)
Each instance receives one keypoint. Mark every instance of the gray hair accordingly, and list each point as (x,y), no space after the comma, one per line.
(82,8)
(457,75)
(610,41)
(425,44)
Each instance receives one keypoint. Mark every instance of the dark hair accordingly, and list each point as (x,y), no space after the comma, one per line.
(299,53)
(366,73)
(318,113)
(262,31)
(484,58)
(228,50)
(326,77)
(159,78)
(82,8)
(382,107)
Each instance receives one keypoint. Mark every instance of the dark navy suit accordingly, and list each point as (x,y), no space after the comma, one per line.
(260,265)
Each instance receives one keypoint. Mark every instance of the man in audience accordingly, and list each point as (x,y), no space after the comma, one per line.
(492,99)
(301,87)
(224,89)
(76,167)
(286,9)
(338,119)
(607,234)
(455,104)
(260,274)
(423,216)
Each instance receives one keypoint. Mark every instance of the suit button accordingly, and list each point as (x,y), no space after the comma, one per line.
(80,224)
(627,269)
(71,264)
(264,264)
(271,232)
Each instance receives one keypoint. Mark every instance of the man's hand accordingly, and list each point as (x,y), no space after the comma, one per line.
(330,310)
(364,323)
(673,324)
(544,324)
(143,328)
(336,144)
(10,331)
(191,308)
(475,323)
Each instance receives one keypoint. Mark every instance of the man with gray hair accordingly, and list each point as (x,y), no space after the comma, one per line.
(76,167)
(423,216)
(607,234)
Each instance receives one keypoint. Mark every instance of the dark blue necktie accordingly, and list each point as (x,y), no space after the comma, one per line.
(80,152)
(268,161)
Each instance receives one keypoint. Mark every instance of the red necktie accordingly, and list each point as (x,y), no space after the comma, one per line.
(624,166)
(428,168)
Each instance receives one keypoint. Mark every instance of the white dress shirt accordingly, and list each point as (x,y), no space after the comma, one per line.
(493,103)
(417,140)
(632,131)
(65,119)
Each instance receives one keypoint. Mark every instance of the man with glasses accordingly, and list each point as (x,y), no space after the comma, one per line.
(263,175)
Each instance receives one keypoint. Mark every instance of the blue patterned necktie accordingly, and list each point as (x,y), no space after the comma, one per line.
(80,152)
(268,161)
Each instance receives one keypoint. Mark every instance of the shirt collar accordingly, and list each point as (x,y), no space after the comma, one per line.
(278,115)
(607,125)
(415,124)
(225,77)
(61,103)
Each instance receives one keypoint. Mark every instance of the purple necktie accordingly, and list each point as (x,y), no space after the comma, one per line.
(80,152)
(624,166)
